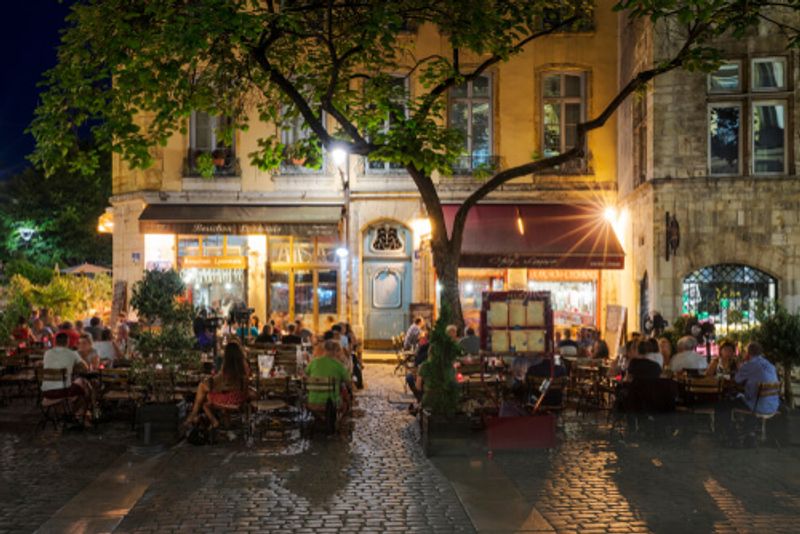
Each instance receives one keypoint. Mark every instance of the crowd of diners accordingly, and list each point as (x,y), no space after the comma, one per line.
(645,371)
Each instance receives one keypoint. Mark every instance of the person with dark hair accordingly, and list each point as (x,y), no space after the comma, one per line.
(61,357)
(641,366)
(106,349)
(411,338)
(725,362)
(291,338)
(22,334)
(304,333)
(95,328)
(227,388)
(470,343)
(600,350)
(266,335)
(87,353)
(653,353)
(71,333)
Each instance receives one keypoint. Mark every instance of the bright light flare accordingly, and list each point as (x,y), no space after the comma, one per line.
(339,156)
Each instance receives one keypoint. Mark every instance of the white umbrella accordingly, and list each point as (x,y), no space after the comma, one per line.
(86,268)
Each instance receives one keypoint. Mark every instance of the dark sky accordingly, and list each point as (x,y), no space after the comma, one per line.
(30,33)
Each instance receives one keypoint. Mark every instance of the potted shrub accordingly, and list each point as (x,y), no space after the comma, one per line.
(165,345)
(779,334)
(218,157)
(441,419)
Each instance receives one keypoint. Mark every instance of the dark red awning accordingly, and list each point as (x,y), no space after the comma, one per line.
(556,236)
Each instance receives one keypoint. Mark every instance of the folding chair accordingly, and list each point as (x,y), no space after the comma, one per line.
(116,392)
(765,389)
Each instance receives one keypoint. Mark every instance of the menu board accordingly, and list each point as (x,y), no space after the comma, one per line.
(516,322)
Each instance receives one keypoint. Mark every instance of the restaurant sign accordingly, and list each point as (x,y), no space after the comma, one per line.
(540,261)
(214,262)
(239,228)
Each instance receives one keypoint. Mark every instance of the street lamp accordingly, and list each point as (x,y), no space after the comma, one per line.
(26,233)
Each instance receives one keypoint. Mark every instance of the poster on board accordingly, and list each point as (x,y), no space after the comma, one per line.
(615,321)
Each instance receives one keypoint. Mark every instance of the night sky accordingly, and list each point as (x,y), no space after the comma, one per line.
(30,33)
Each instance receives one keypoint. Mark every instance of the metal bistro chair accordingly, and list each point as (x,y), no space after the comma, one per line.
(700,395)
(765,389)
(116,392)
(53,410)
(275,398)
(327,413)
(20,375)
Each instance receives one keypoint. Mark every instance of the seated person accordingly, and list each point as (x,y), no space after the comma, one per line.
(567,346)
(413,379)
(757,370)
(687,359)
(470,343)
(87,353)
(106,349)
(226,389)
(327,365)
(600,350)
(21,333)
(61,357)
(725,362)
(266,335)
(72,334)
(291,338)
(654,352)
(641,367)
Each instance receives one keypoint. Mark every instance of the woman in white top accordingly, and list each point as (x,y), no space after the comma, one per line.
(106,348)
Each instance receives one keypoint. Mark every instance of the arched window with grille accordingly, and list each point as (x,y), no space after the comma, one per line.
(729,294)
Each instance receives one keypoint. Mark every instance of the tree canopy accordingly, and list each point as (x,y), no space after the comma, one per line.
(132,72)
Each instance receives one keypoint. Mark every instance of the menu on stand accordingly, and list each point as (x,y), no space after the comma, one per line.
(516,322)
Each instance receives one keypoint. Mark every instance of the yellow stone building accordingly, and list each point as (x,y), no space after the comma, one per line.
(280,243)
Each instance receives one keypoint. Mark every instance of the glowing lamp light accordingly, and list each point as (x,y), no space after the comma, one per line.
(342,253)
(520,223)
(610,214)
(339,156)
(228,286)
(105,223)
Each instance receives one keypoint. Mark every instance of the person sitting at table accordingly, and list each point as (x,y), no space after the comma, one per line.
(226,389)
(725,362)
(327,365)
(291,338)
(470,343)
(106,349)
(95,328)
(640,367)
(87,353)
(72,334)
(62,357)
(600,350)
(41,334)
(304,333)
(411,338)
(567,346)
(665,348)
(266,335)
(21,333)
(687,358)
(654,353)
(413,378)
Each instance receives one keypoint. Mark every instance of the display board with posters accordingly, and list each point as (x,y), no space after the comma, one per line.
(516,322)
(615,323)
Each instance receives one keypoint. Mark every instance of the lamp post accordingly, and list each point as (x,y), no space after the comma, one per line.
(341,157)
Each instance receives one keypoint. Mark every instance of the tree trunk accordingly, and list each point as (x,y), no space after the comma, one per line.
(446,264)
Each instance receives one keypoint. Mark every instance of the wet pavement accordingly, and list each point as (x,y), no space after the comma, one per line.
(374,478)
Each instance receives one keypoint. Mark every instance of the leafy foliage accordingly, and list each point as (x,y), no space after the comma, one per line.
(441,395)
(779,334)
(155,297)
(26,269)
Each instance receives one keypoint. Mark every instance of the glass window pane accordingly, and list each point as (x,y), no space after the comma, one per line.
(480,129)
(326,250)
(212,245)
(572,113)
(303,251)
(202,131)
(570,135)
(327,290)
(459,91)
(188,246)
(552,85)
(768,137)
(279,291)
(552,129)
(723,129)
(236,245)
(303,292)
(725,79)
(572,85)
(480,87)
(279,251)
(459,114)
(768,74)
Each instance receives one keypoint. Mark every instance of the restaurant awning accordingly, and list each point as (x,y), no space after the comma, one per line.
(232,219)
(555,236)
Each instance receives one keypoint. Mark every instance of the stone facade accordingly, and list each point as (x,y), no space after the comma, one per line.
(748,219)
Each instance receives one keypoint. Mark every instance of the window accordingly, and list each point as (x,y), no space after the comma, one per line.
(769,137)
(296,133)
(206,137)
(748,114)
(399,90)
(726,79)
(730,294)
(768,74)
(563,100)
(471,114)
(723,139)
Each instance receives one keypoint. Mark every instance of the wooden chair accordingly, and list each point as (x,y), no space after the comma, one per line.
(274,397)
(328,413)
(233,416)
(287,361)
(116,393)
(19,375)
(53,410)
(765,389)
(700,395)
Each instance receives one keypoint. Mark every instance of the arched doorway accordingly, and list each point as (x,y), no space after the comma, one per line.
(387,292)
(730,294)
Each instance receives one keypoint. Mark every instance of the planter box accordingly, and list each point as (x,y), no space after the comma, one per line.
(443,435)
(163,420)
(526,432)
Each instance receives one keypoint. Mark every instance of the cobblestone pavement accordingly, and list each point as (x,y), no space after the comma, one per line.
(41,471)
(598,482)
(374,480)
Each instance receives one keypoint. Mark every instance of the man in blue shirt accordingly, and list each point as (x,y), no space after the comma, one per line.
(755,371)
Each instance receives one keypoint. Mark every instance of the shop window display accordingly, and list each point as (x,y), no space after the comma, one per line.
(574,303)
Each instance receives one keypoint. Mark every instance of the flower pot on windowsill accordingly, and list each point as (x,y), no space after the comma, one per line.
(298,162)
(219,162)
